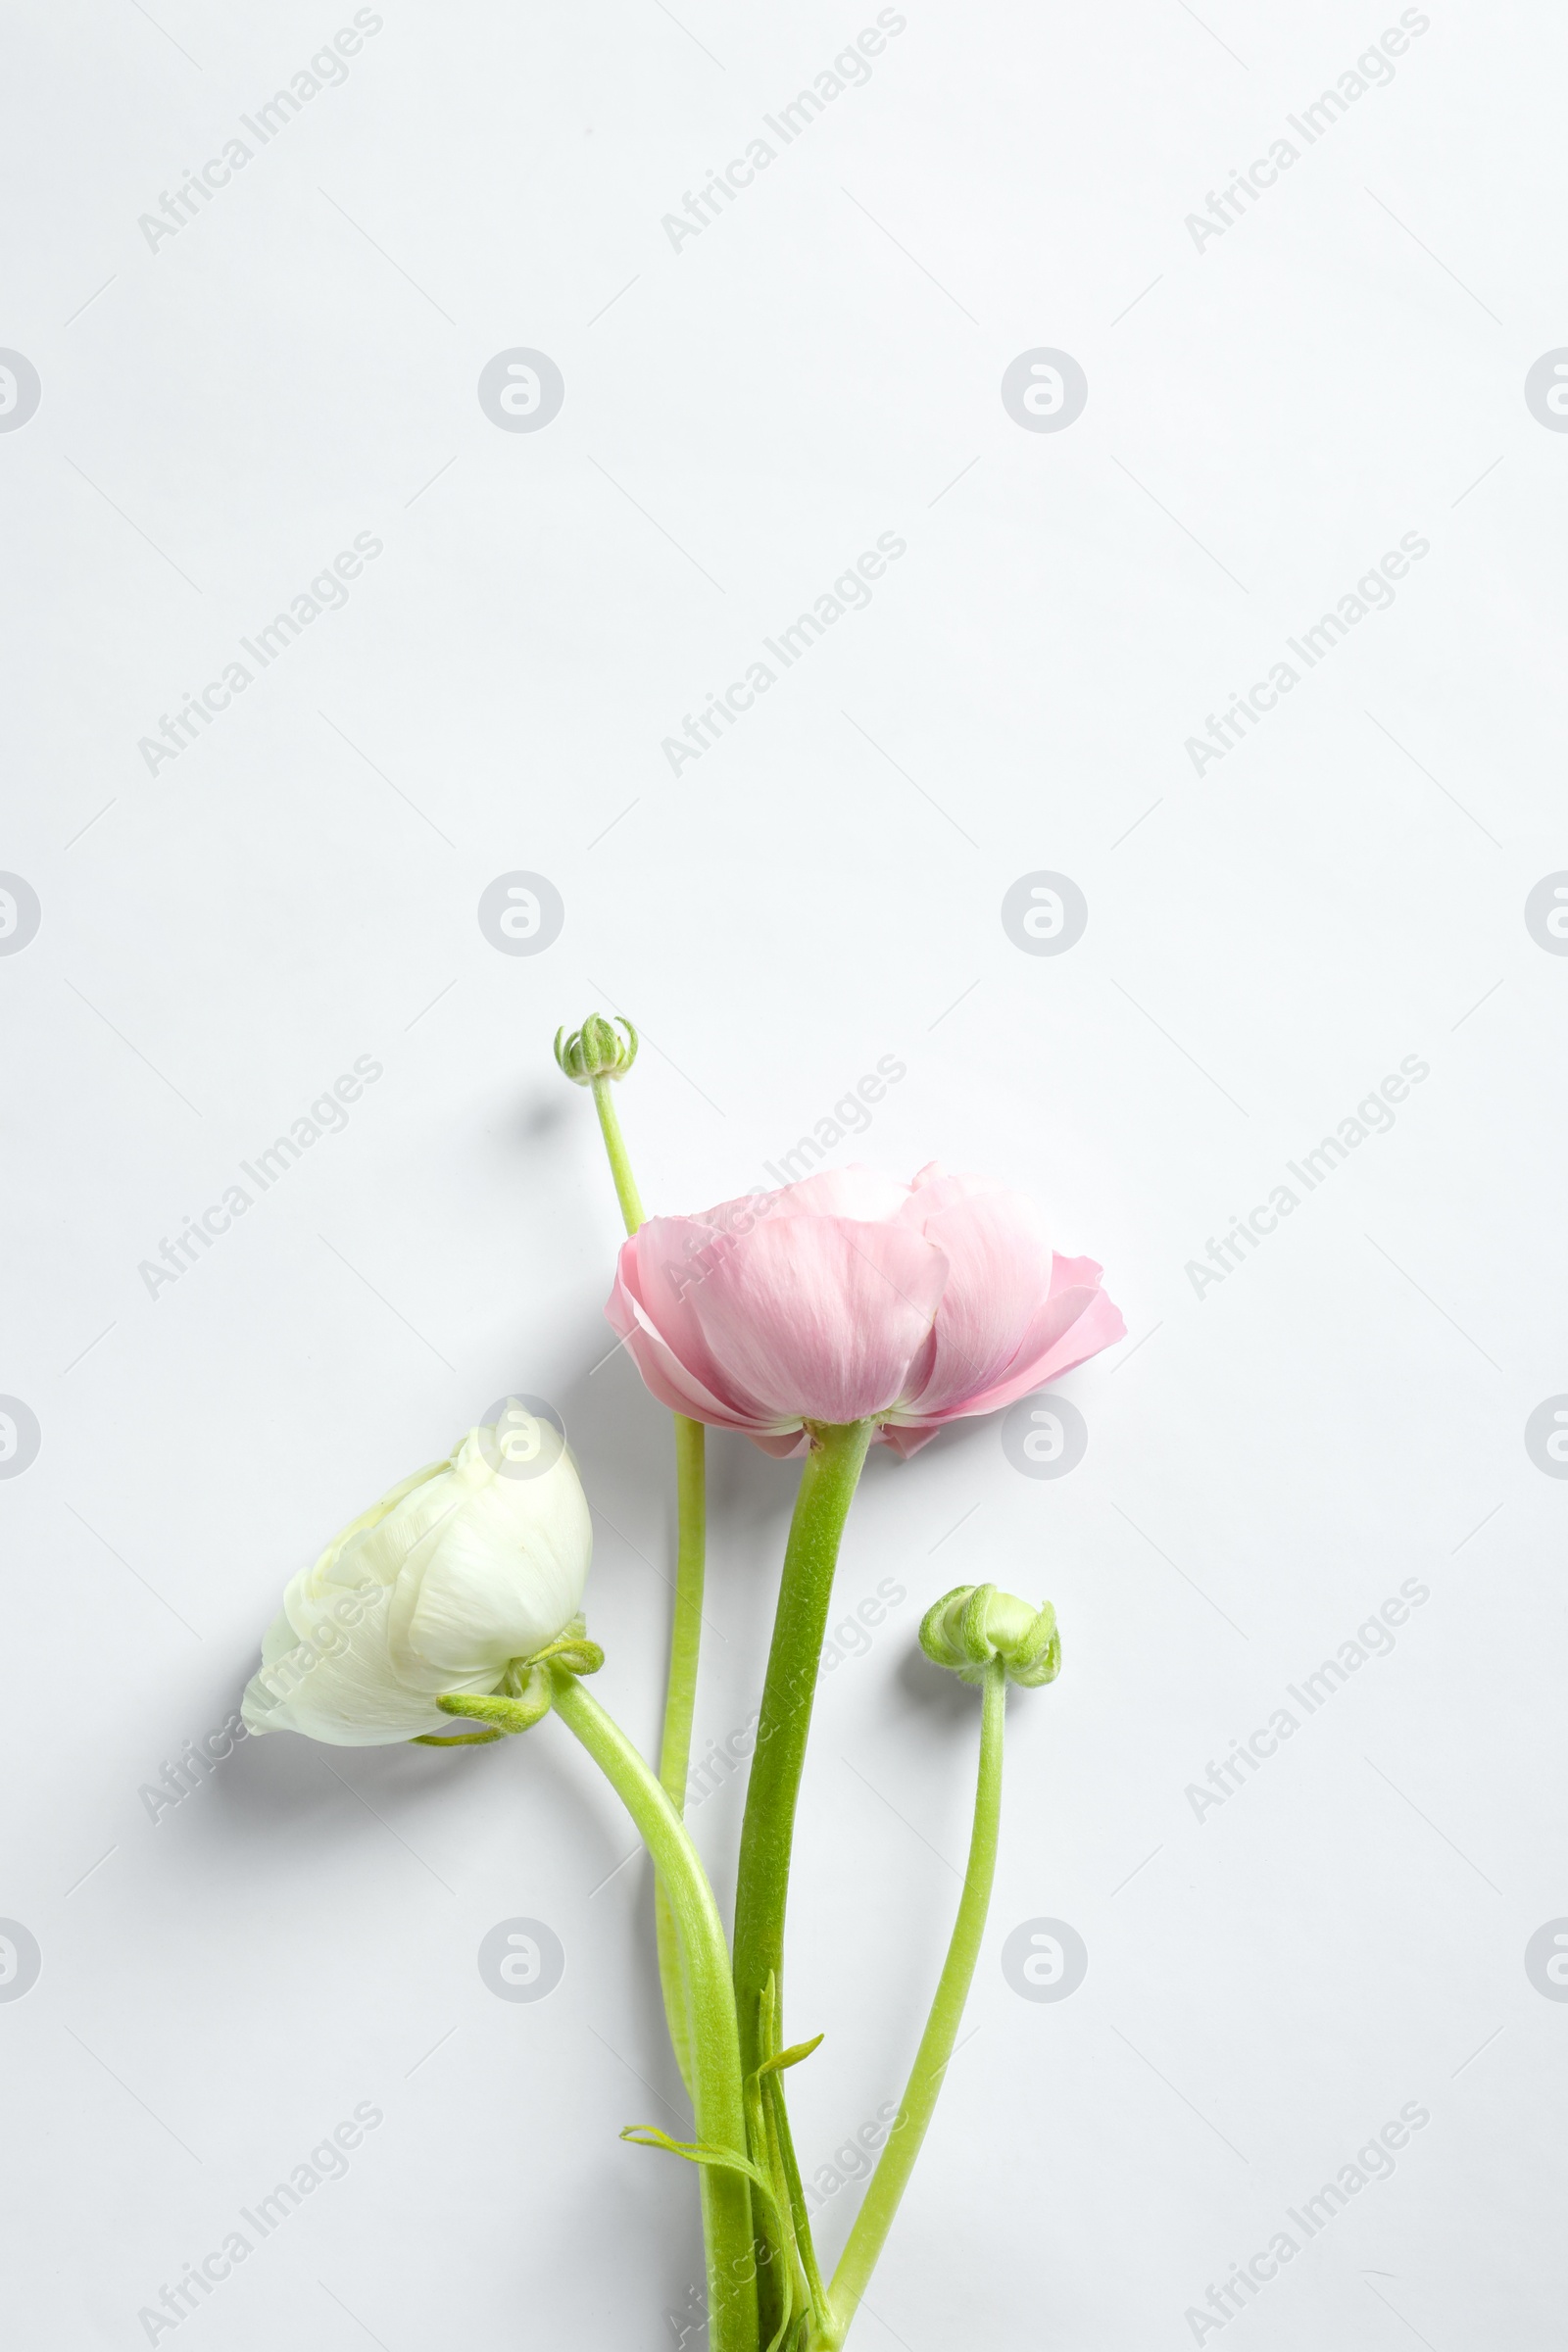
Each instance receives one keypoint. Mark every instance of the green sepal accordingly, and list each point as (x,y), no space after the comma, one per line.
(571,1649)
(595,1050)
(526,1692)
(573,1656)
(518,1714)
(973,1624)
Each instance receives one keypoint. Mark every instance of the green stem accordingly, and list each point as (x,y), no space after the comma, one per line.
(897,2161)
(828,1481)
(680,1699)
(717,2096)
(674,1755)
(680,1692)
(827,1487)
(631,1208)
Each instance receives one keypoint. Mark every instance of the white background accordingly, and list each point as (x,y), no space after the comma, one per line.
(1267,1461)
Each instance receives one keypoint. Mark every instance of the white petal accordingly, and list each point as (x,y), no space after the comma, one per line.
(496,1579)
(452,1574)
(278,1637)
(341,1687)
(372,1546)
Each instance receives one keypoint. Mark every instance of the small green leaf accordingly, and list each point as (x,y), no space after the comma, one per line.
(700,2152)
(791,2057)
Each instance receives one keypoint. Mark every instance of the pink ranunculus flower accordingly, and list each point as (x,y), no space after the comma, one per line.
(850,1297)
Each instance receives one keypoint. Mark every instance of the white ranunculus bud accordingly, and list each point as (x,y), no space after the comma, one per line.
(461,1569)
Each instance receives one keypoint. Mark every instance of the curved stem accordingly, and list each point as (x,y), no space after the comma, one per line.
(717,2096)
(631,1208)
(897,2161)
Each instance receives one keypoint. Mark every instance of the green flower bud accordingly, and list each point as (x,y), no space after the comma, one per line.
(975,1623)
(595,1050)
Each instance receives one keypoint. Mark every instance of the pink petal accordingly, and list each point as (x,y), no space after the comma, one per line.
(856,1192)
(936,1187)
(851,1295)
(1096,1324)
(790,1446)
(1087,1321)
(908,1437)
(664,1264)
(1000,1284)
(817,1318)
(665,1373)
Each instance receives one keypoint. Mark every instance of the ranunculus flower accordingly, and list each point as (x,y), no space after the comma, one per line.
(464,1566)
(850,1297)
